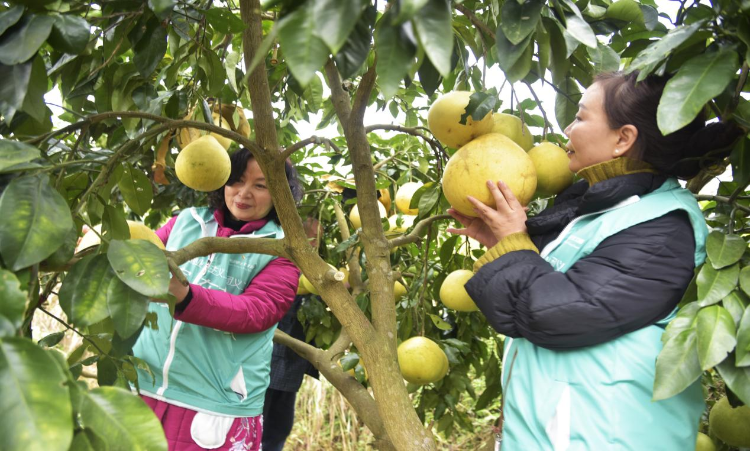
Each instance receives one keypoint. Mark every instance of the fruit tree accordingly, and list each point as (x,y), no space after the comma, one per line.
(150,90)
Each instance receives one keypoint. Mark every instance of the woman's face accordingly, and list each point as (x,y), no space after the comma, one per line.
(592,141)
(248,199)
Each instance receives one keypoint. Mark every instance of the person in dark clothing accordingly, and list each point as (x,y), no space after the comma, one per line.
(585,289)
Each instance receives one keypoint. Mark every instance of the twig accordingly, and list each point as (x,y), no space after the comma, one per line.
(415,234)
(69,327)
(286,153)
(476,21)
(414,131)
(544,114)
(211,245)
(723,199)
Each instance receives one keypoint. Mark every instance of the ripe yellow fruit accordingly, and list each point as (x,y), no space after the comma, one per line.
(308,285)
(514,128)
(355,219)
(445,114)
(490,157)
(730,425)
(385,198)
(403,197)
(704,443)
(422,361)
(301,288)
(242,126)
(218,120)
(203,165)
(393,224)
(345,270)
(138,231)
(552,173)
(399,290)
(454,295)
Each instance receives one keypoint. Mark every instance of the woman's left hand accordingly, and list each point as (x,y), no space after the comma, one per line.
(508,217)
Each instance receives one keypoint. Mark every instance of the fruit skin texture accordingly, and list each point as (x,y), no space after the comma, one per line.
(454,295)
(514,128)
(399,290)
(385,199)
(704,443)
(490,157)
(422,361)
(357,221)
(203,165)
(138,231)
(309,287)
(301,288)
(731,426)
(403,197)
(552,173)
(445,114)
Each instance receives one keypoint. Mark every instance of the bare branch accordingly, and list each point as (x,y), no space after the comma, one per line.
(214,245)
(286,153)
(416,233)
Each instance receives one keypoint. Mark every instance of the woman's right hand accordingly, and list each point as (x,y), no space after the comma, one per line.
(474,228)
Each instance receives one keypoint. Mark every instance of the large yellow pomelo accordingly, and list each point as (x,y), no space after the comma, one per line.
(514,128)
(490,157)
(138,231)
(730,425)
(385,199)
(203,165)
(301,288)
(399,290)
(422,361)
(218,120)
(403,197)
(355,219)
(444,117)
(394,228)
(552,173)
(454,295)
(704,443)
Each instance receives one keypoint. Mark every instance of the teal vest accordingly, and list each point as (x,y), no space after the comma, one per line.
(599,397)
(198,367)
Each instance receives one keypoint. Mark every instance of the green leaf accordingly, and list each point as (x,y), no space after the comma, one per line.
(396,49)
(335,20)
(439,323)
(10,17)
(522,66)
(480,105)
(433,25)
(162,8)
(33,102)
(684,320)
(13,88)
(83,295)
(429,198)
(677,366)
(141,265)
(304,51)
(429,77)
(150,49)
(698,81)
(625,10)
(230,65)
(735,303)
(408,9)
(13,153)
(37,414)
(126,306)
(519,20)
(448,249)
(743,340)
(52,339)
(214,70)
(136,190)
(354,52)
(506,52)
(12,303)
(581,30)
(224,20)
(716,335)
(713,285)
(724,250)
(313,94)
(122,419)
(740,159)
(737,379)
(566,102)
(652,56)
(36,219)
(490,394)
(23,41)
(70,34)
(745,280)
(604,58)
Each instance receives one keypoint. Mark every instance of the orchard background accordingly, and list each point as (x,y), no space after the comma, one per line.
(132,73)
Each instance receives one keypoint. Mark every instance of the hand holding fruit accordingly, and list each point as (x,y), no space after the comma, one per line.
(473,228)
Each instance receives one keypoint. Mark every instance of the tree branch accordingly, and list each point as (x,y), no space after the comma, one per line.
(416,233)
(475,20)
(363,95)
(286,153)
(339,97)
(435,144)
(214,245)
(724,199)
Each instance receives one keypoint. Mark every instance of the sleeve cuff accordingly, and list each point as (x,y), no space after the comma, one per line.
(515,242)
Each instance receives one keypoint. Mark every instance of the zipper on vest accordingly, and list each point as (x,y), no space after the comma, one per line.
(168,361)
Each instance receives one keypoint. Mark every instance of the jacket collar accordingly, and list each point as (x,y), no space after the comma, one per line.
(248,228)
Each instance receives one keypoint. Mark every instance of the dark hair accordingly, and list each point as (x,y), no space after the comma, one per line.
(239,161)
(682,153)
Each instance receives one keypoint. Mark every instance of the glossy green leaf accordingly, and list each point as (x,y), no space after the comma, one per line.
(33,102)
(519,20)
(12,303)
(604,58)
(429,77)
(162,8)
(126,306)
(23,41)
(439,323)
(13,153)
(354,52)
(70,34)
(10,17)
(566,102)
(304,51)
(737,379)
(36,219)
(652,56)
(136,190)
(83,295)
(559,63)
(745,280)
(713,285)
(684,320)
(51,340)
(735,303)
(740,159)
(81,442)
(141,265)
(335,20)
(698,81)
(724,250)
(122,420)
(506,52)
(408,9)
(522,66)
(37,414)
(395,49)
(224,21)
(433,25)
(625,10)
(214,70)
(581,30)
(677,365)
(13,88)
(743,340)
(544,47)
(716,335)
(480,105)
(150,49)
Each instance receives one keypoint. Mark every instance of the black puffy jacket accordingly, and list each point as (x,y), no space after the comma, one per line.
(631,280)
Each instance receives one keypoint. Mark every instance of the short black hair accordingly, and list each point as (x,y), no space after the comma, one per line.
(239,161)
